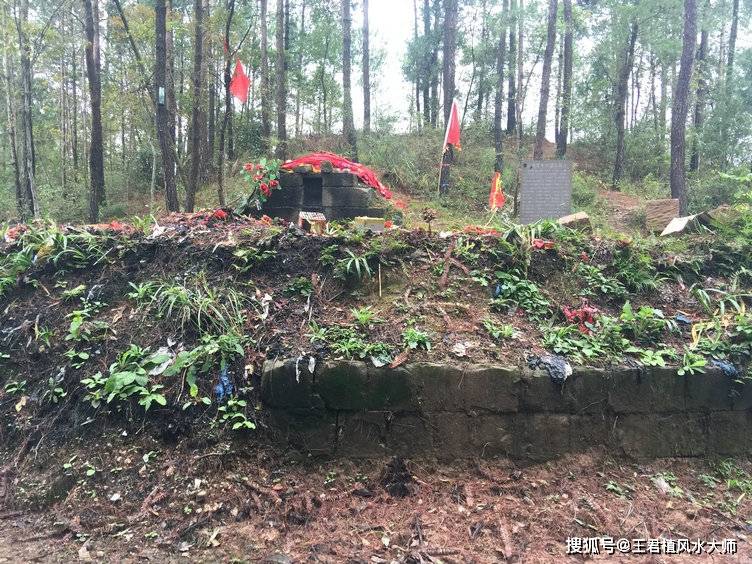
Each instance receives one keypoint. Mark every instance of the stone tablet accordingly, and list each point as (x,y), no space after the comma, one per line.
(546,190)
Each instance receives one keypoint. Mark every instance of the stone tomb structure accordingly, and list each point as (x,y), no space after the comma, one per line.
(546,190)
(336,194)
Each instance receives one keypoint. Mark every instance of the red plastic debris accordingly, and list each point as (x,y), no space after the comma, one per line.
(365,174)
(220,215)
(543,244)
(477,230)
(584,257)
(400,205)
(388,224)
(584,316)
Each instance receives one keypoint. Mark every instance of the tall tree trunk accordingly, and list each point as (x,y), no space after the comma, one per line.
(161,87)
(566,95)
(367,71)
(425,63)
(96,151)
(226,79)
(548,56)
(511,66)
(10,111)
(501,55)
(481,95)
(29,162)
(680,107)
(348,127)
(281,70)
(434,72)
(557,101)
(694,160)
(172,105)
(74,102)
(265,94)
(519,98)
(299,73)
(418,114)
(197,88)
(732,42)
(450,48)
(620,100)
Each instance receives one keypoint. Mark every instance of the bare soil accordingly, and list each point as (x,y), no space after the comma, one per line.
(236,502)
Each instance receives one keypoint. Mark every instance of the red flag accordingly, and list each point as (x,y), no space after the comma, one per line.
(240,83)
(453,128)
(496,198)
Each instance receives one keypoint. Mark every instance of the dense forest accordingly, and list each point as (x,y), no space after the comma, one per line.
(116,107)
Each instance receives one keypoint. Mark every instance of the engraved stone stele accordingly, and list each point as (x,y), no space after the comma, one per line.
(546,190)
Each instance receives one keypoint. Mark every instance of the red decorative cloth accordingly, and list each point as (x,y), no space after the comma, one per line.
(240,83)
(364,174)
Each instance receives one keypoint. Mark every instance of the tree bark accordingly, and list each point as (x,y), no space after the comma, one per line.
(566,96)
(29,161)
(540,134)
(425,63)
(266,127)
(450,48)
(348,127)
(694,160)
(281,71)
(161,88)
(620,100)
(511,66)
(520,94)
(680,107)
(96,151)
(367,71)
(197,88)
(10,110)
(434,72)
(226,79)
(732,42)
(501,55)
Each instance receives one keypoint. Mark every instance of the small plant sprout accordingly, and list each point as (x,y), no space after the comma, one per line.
(414,339)
(363,316)
(500,331)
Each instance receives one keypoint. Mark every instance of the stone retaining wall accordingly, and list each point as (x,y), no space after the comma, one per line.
(353,409)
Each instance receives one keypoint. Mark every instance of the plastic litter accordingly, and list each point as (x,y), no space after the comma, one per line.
(683,319)
(557,367)
(224,388)
(726,367)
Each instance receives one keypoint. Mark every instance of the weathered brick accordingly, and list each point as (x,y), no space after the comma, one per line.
(656,390)
(312,431)
(585,391)
(451,434)
(493,435)
(590,431)
(409,435)
(710,391)
(361,434)
(730,433)
(281,387)
(489,388)
(355,386)
(657,436)
(437,385)
(541,436)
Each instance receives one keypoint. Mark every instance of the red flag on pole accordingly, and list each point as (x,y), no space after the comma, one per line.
(496,198)
(240,83)
(452,136)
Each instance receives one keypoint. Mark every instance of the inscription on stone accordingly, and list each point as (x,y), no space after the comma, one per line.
(546,190)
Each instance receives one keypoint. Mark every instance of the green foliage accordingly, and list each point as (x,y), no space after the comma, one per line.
(82,328)
(233,412)
(128,378)
(353,265)
(499,331)
(300,286)
(646,324)
(363,316)
(328,255)
(517,292)
(250,257)
(596,281)
(650,357)
(604,341)
(414,339)
(692,363)
(348,342)
(198,305)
